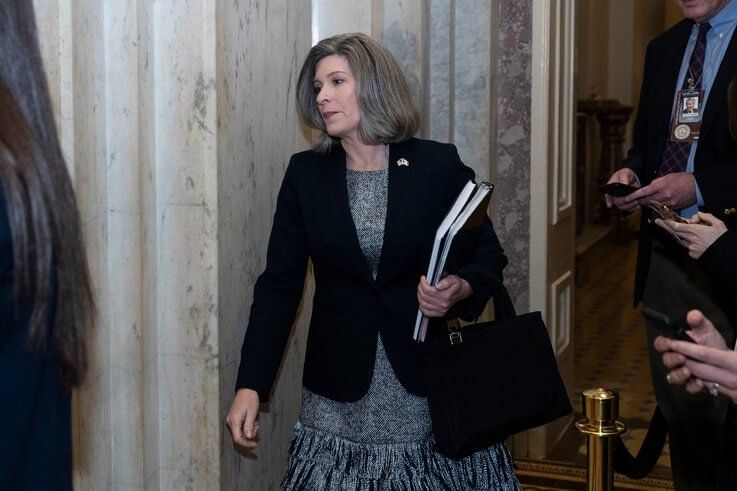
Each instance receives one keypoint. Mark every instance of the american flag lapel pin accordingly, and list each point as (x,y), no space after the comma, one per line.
(403,162)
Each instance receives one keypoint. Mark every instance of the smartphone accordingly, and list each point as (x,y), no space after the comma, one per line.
(665,213)
(675,330)
(617,189)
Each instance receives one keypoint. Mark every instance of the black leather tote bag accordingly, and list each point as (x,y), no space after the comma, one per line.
(489,380)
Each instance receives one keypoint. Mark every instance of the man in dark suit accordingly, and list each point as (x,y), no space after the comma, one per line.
(688,168)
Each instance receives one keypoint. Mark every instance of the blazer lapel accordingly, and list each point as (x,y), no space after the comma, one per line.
(721,81)
(345,227)
(398,203)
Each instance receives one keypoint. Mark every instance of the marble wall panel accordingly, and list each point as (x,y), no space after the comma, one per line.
(403,33)
(124,240)
(182,212)
(149,233)
(133,86)
(440,84)
(258,130)
(513,40)
(89,154)
(473,128)
(331,17)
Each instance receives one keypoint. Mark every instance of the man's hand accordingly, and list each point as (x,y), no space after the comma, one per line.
(242,418)
(435,301)
(676,190)
(624,176)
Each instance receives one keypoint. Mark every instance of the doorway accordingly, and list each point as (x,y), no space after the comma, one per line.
(587,71)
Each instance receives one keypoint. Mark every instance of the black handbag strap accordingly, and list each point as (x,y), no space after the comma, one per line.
(503,306)
(503,309)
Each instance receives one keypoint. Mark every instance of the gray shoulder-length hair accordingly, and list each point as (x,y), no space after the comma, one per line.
(388,114)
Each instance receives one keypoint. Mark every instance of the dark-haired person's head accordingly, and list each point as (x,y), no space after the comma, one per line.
(384,111)
(50,276)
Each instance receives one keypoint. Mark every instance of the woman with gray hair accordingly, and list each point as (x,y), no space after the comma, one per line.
(363,206)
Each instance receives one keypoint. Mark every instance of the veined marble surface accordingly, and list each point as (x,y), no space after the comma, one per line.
(260,53)
(133,90)
(511,209)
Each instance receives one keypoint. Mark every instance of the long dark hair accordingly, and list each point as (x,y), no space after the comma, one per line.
(48,253)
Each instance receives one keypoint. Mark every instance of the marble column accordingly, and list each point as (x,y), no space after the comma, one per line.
(178,158)
(177,119)
(99,139)
(258,130)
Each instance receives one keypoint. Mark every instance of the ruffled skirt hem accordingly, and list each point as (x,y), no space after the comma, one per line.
(322,461)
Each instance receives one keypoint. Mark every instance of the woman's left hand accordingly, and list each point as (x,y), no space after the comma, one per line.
(705,368)
(436,301)
(697,235)
(706,364)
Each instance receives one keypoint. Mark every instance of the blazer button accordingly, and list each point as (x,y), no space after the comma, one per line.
(650,221)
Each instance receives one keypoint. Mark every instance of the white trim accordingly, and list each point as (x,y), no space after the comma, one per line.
(539,155)
(561,309)
(562,133)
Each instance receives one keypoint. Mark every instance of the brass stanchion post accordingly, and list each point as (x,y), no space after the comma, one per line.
(600,425)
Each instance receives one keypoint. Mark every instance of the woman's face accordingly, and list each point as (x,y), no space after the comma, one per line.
(335,94)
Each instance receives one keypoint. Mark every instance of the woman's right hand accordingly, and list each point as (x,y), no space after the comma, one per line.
(242,418)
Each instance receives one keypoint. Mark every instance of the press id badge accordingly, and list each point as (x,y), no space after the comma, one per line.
(688,110)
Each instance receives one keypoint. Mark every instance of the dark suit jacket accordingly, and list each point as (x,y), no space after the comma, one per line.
(350,308)
(715,163)
(719,261)
(36,431)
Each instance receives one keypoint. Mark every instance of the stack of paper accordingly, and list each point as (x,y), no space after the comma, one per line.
(468,211)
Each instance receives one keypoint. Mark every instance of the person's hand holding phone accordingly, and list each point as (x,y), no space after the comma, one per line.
(625,176)
(707,364)
(697,233)
(676,190)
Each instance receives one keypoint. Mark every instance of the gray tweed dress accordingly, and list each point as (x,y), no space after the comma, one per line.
(383,441)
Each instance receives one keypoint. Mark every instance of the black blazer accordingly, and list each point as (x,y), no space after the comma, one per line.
(36,433)
(715,162)
(719,261)
(313,220)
